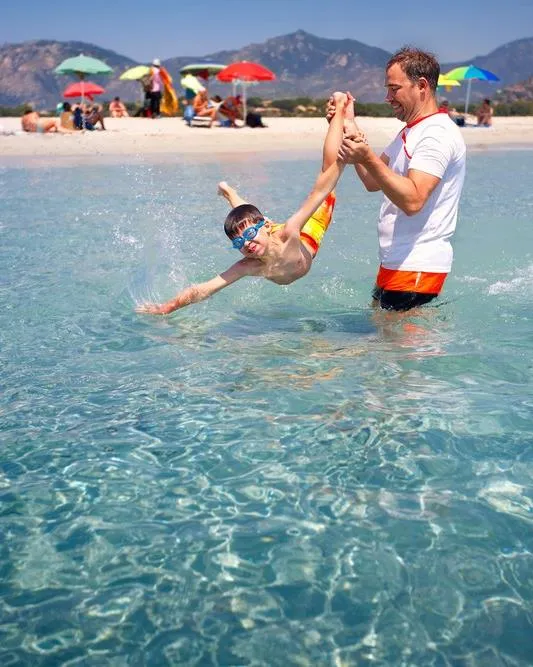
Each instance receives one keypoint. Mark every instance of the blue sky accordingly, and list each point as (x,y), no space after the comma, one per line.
(452,29)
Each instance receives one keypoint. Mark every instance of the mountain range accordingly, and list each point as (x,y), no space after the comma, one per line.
(305,65)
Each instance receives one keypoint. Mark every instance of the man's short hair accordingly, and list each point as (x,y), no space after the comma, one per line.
(417,64)
(240,215)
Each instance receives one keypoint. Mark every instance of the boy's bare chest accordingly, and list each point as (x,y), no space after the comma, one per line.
(287,266)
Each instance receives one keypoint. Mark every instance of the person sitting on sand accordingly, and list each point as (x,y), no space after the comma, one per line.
(202,106)
(31,121)
(66,118)
(452,113)
(95,115)
(484,114)
(86,119)
(231,109)
(117,109)
(281,253)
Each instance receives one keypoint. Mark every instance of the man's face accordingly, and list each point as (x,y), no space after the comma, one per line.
(402,94)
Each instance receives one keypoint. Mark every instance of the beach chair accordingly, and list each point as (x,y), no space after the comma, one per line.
(191,119)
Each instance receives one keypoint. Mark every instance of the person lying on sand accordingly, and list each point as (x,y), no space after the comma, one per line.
(31,121)
(281,253)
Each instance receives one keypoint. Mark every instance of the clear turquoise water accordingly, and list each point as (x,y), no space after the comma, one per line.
(271,477)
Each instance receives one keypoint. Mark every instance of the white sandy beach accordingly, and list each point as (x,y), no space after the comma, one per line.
(283,137)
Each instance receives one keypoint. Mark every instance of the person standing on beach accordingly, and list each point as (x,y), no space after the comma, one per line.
(421,175)
(156,88)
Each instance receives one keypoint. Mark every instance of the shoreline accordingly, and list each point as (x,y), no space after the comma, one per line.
(167,139)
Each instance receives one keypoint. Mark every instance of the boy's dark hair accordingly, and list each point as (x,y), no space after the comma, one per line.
(243,214)
(416,64)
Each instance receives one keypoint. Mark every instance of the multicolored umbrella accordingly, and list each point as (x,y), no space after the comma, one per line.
(245,73)
(135,73)
(447,83)
(470,73)
(82,89)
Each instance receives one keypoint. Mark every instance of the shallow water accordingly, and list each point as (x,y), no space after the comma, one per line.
(274,476)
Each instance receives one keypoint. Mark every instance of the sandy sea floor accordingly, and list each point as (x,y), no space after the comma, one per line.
(284,137)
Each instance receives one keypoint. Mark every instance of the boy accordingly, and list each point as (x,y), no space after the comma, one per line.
(277,252)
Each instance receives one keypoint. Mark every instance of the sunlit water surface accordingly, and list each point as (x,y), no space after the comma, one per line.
(271,477)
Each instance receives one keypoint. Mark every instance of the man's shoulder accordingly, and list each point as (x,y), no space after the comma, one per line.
(441,127)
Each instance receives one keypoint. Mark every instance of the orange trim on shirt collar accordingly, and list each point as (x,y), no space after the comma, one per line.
(412,124)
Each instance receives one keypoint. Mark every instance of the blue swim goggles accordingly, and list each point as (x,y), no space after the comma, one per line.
(248,234)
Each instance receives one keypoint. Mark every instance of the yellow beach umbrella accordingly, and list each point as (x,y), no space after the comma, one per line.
(135,73)
(191,82)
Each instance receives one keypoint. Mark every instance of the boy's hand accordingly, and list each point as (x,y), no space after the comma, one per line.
(152,309)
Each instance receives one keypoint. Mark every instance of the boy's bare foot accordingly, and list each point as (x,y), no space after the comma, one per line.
(225,190)
(350,126)
(339,99)
(230,194)
(349,111)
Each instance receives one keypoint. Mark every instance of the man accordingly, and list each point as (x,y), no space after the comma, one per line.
(421,175)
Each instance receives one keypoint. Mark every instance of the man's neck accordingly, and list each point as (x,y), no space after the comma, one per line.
(427,109)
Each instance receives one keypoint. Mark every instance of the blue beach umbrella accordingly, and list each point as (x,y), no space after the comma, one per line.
(470,73)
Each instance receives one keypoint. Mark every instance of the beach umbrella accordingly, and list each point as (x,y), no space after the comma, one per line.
(135,73)
(190,82)
(82,65)
(82,89)
(447,83)
(470,73)
(245,73)
(204,70)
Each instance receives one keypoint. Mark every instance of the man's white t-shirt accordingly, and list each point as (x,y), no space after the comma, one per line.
(421,242)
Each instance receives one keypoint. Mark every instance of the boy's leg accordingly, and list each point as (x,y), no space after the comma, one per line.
(230,194)
(333,139)
(314,229)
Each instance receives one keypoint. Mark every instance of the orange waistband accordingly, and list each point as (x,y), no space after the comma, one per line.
(410,281)
(310,242)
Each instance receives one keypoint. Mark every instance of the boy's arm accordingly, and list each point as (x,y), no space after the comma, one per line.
(195,293)
(325,183)
(327,179)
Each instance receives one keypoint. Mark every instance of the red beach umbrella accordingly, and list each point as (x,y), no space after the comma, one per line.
(245,73)
(83,89)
